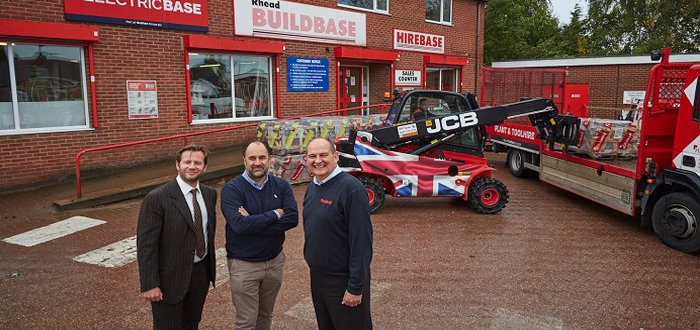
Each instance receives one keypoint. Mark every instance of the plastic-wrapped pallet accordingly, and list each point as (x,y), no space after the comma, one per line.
(290,168)
(329,127)
(285,137)
(262,133)
(358,122)
(312,128)
(376,121)
(600,138)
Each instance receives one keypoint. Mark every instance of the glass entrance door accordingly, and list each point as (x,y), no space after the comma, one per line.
(350,88)
(444,79)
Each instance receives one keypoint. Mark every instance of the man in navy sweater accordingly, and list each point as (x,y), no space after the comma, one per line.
(338,242)
(258,209)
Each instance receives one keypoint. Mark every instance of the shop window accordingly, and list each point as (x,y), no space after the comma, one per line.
(230,87)
(438,11)
(445,79)
(42,88)
(371,5)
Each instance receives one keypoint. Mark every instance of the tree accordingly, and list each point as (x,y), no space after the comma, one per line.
(620,27)
(574,37)
(517,29)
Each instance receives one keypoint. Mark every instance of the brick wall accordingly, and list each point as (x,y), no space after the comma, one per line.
(132,53)
(607,84)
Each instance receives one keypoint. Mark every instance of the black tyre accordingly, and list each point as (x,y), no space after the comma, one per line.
(675,221)
(375,192)
(516,163)
(487,195)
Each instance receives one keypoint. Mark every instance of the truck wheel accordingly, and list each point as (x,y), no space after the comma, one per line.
(375,192)
(516,163)
(675,221)
(487,195)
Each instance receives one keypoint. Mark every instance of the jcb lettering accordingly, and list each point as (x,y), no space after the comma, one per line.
(450,123)
(468,119)
(453,122)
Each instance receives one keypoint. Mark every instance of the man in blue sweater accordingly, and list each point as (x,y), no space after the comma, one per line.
(258,209)
(338,242)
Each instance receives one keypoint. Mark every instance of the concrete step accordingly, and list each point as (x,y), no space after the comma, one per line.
(139,181)
(118,194)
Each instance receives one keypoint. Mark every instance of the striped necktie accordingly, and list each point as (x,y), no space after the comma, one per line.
(198,227)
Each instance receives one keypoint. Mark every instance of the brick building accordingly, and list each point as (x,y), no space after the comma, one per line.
(78,74)
(613,81)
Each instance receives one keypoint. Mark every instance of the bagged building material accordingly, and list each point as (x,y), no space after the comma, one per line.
(328,127)
(600,138)
(284,136)
(290,168)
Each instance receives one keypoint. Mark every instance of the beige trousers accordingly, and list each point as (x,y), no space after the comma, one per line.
(254,288)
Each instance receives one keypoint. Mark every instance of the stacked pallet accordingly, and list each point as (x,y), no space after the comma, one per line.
(289,138)
(603,138)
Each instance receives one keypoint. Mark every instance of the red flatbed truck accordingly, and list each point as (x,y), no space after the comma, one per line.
(663,183)
(517,136)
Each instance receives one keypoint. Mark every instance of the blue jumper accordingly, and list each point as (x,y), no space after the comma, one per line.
(259,236)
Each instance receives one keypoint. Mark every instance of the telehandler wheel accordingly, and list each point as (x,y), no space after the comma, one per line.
(675,220)
(375,192)
(516,163)
(487,195)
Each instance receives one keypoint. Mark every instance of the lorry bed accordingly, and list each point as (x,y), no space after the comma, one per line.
(611,182)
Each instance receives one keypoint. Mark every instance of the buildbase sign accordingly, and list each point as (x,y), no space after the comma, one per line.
(296,21)
(419,42)
(167,14)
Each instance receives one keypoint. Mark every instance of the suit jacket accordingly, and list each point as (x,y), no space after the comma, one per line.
(166,240)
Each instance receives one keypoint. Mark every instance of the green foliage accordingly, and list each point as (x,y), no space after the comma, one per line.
(573,38)
(517,29)
(620,27)
(527,29)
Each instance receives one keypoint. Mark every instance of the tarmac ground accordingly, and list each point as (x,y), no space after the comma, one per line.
(550,260)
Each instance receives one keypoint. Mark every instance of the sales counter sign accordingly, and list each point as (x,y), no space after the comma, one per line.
(167,14)
(142,97)
(407,78)
(297,21)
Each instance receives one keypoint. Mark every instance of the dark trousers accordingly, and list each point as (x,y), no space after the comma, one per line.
(327,292)
(187,313)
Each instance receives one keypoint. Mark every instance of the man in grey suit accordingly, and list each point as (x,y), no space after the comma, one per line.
(175,241)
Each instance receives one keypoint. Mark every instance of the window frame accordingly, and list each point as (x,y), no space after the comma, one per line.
(233,118)
(375,10)
(442,14)
(457,77)
(17,130)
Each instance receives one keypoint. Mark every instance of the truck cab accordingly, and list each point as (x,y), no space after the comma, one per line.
(466,146)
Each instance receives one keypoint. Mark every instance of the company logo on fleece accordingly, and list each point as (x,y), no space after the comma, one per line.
(326,201)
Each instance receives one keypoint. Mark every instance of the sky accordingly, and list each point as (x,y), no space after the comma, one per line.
(563,8)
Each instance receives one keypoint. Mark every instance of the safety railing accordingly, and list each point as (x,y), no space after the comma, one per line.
(365,110)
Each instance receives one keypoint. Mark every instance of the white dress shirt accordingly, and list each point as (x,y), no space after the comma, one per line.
(186,190)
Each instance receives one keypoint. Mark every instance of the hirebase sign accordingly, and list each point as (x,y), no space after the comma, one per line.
(297,21)
(167,14)
(419,42)
(407,78)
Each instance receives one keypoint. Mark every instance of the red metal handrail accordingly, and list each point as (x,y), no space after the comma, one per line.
(382,109)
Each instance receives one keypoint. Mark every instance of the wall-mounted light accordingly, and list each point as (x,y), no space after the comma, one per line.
(208,65)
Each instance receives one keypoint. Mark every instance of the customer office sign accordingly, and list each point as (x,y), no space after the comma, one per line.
(167,14)
(297,21)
